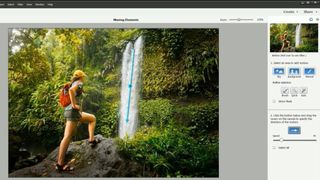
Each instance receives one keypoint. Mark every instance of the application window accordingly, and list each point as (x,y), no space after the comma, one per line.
(223,90)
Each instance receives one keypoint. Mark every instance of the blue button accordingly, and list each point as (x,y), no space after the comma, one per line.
(278,71)
(294,71)
(294,130)
(309,71)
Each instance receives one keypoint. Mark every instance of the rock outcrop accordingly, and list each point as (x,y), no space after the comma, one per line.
(101,161)
(289,49)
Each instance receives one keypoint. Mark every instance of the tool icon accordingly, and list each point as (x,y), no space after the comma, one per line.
(309,71)
(294,71)
(278,71)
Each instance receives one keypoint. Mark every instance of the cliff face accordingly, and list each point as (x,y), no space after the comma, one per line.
(101,161)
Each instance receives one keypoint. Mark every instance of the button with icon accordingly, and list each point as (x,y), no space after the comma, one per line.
(294,71)
(294,130)
(278,71)
(309,71)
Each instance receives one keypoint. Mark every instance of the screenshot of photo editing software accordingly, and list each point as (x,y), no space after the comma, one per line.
(225,90)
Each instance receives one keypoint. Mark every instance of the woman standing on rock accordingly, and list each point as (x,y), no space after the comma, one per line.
(73,114)
(285,42)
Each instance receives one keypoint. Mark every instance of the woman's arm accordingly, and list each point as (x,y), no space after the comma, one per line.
(72,94)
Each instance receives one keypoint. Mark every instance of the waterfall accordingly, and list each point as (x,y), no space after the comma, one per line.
(130,87)
(298,35)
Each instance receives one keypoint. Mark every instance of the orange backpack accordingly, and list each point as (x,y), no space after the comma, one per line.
(281,37)
(64,98)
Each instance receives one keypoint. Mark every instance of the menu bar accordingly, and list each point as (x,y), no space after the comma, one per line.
(160,4)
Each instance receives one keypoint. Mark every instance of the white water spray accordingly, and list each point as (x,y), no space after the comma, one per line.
(130,88)
(298,35)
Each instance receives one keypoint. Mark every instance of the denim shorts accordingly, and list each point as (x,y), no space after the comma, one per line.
(72,114)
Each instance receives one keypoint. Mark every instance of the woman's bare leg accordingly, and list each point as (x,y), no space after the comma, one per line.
(282,47)
(86,117)
(68,131)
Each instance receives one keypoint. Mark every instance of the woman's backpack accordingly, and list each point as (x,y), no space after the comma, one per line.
(64,98)
(281,37)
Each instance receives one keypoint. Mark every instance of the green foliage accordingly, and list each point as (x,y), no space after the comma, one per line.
(93,97)
(172,43)
(159,80)
(27,69)
(26,38)
(43,114)
(201,61)
(156,112)
(108,119)
(309,45)
(183,61)
(172,152)
(119,36)
(108,116)
(202,118)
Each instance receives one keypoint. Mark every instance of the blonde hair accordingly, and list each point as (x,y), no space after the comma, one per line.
(77,75)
